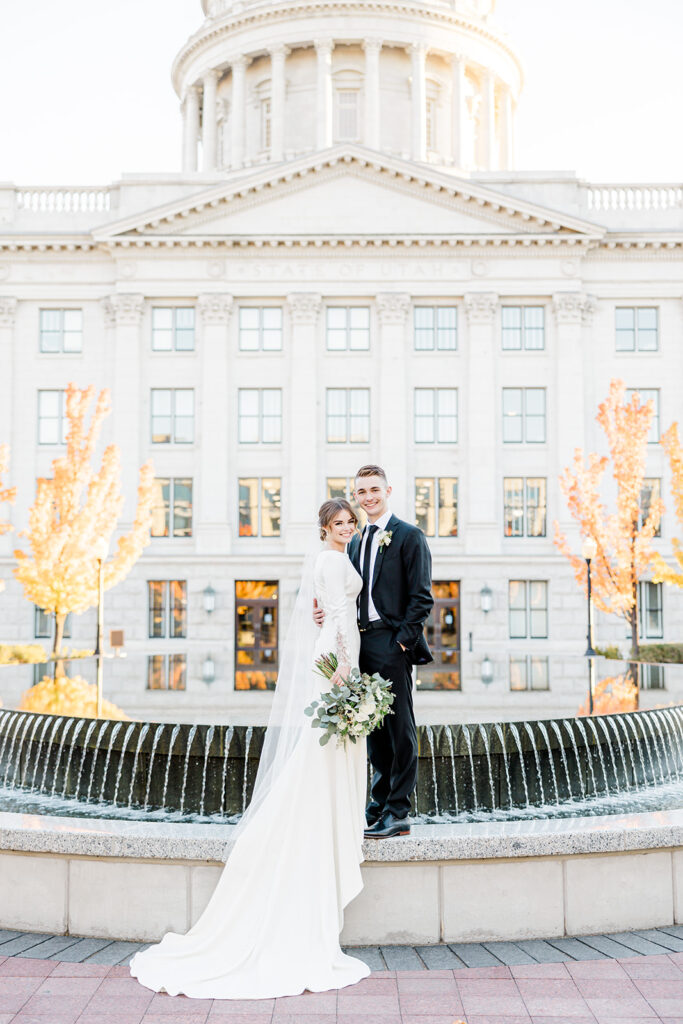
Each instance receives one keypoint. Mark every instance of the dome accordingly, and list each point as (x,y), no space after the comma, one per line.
(266,81)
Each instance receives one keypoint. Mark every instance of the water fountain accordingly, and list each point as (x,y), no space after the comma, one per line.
(208,771)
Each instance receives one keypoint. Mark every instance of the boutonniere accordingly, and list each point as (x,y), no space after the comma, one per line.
(384,538)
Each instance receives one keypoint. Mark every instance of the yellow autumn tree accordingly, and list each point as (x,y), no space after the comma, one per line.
(623,537)
(75,512)
(664,573)
(7,494)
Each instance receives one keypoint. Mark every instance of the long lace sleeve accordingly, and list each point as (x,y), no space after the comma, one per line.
(336,603)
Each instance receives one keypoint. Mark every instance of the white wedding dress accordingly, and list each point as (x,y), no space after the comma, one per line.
(272,925)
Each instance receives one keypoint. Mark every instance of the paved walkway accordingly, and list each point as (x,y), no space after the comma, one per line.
(592,980)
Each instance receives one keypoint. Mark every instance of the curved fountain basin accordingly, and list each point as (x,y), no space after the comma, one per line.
(475,882)
(209,770)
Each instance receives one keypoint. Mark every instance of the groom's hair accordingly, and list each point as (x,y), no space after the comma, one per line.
(371,471)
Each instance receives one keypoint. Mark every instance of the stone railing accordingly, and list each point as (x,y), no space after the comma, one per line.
(80,199)
(634,197)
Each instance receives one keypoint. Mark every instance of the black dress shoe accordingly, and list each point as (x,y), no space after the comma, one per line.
(387,826)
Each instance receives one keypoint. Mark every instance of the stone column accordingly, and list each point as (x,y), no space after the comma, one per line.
(389,411)
(487,132)
(209,125)
(478,417)
(131,426)
(507,157)
(371,134)
(304,443)
(458,110)
(573,315)
(323,49)
(190,128)
(9,428)
(418,102)
(277,103)
(212,489)
(237,111)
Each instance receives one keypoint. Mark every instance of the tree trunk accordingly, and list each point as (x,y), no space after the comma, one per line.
(634,667)
(58,670)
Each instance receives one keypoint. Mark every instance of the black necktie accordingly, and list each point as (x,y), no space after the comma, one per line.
(364,617)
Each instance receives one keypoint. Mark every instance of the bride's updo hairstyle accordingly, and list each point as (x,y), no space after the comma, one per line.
(329,509)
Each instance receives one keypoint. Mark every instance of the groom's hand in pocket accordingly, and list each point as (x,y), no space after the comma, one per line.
(318,613)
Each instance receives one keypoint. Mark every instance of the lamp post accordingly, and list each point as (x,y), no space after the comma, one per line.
(101,556)
(486,670)
(589,550)
(486,598)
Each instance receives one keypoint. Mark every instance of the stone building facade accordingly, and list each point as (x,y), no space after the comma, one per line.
(355,274)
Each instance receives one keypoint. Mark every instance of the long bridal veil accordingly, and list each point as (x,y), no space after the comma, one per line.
(294,690)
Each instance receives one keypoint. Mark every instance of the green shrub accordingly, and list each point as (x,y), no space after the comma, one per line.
(661,652)
(612,652)
(22,654)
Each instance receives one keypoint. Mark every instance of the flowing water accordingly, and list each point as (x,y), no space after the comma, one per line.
(449,734)
(430,736)
(247,744)
(630,760)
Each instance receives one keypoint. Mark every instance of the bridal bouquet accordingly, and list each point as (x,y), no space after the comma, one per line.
(352,709)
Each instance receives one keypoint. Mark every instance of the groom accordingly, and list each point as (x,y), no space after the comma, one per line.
(394,561)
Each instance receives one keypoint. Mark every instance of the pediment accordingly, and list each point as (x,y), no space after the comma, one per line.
(348,192)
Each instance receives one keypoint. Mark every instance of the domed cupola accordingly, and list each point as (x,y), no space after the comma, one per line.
(265,81)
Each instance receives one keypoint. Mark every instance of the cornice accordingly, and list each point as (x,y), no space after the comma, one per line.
(232,22)
(521,244)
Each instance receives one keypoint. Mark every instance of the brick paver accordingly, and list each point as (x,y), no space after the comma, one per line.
(635,989)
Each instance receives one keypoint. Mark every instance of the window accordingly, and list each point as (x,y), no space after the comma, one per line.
(648,395)
(649,492)
(435,327)
(523,328)
(443,635)
(636,328)
(259,506)
(61,330)
(344,487)
(260,328)
(52,422)
(166,672)
(652,677)
(527,672)
(172,328)
(347,328)
(44,624)
(256,629)
(266,109)
(650,610)
(347,115)
(436,415)
(172,508)
(43,629)
(260,415)
(348,415)
(524,506)
(172,416)
(523,415)
(528,608)
(430,119)
(167,603)
(428,513)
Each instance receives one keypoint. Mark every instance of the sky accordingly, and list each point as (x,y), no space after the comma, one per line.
(85,91)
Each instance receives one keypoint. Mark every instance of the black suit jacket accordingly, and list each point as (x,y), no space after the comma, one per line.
(402,585)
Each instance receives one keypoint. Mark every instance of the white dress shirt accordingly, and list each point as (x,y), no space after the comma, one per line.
(381,524)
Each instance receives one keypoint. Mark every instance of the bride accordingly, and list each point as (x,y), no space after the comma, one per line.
(272,925)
